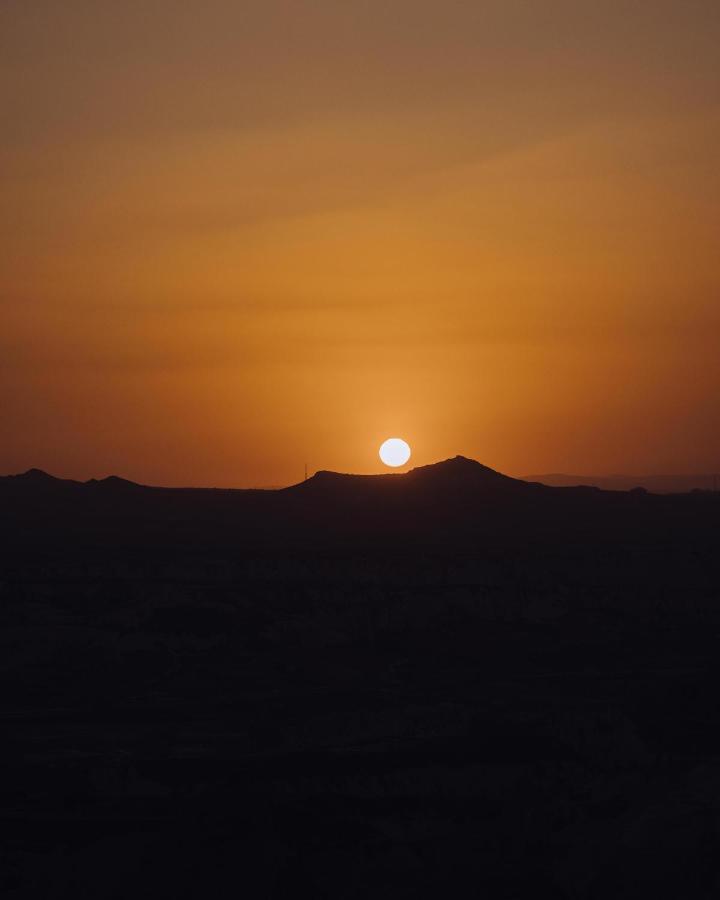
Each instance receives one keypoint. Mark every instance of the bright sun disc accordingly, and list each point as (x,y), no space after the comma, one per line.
(395,452)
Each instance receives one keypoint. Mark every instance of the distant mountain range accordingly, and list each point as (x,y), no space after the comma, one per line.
(451,504)
(656,484)
(450,474)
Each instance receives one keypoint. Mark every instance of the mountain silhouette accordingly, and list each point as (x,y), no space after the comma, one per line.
(115,482)
(456,474)
(461,473)
(35,477)
(450,478)
(454,503)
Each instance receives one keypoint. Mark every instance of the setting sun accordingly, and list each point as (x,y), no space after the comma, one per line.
(395,452)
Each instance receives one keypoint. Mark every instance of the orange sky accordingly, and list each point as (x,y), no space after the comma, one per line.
(241,236)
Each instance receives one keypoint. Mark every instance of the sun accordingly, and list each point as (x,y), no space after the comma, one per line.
(395,452)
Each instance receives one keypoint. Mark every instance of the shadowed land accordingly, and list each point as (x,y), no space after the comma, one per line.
(447,682)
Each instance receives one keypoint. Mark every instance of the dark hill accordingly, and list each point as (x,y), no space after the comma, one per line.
(114,482)
(456,475)
(461,474)
(36,478)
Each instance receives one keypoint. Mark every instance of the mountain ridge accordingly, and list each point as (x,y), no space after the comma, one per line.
(454,469)
(453,504)
(454,474)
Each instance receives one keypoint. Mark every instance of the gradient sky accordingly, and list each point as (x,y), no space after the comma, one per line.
(236,237)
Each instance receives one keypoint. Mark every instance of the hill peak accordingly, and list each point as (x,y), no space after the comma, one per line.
(449,474)
(459,467)
(113,481)
(36,475)
(457,464)
(36,480)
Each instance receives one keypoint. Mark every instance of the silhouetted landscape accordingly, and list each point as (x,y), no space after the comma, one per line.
(441,683)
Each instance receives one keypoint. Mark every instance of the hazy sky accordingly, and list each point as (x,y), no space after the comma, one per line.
(236,237)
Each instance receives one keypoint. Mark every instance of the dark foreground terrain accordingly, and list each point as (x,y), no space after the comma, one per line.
(441,684)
